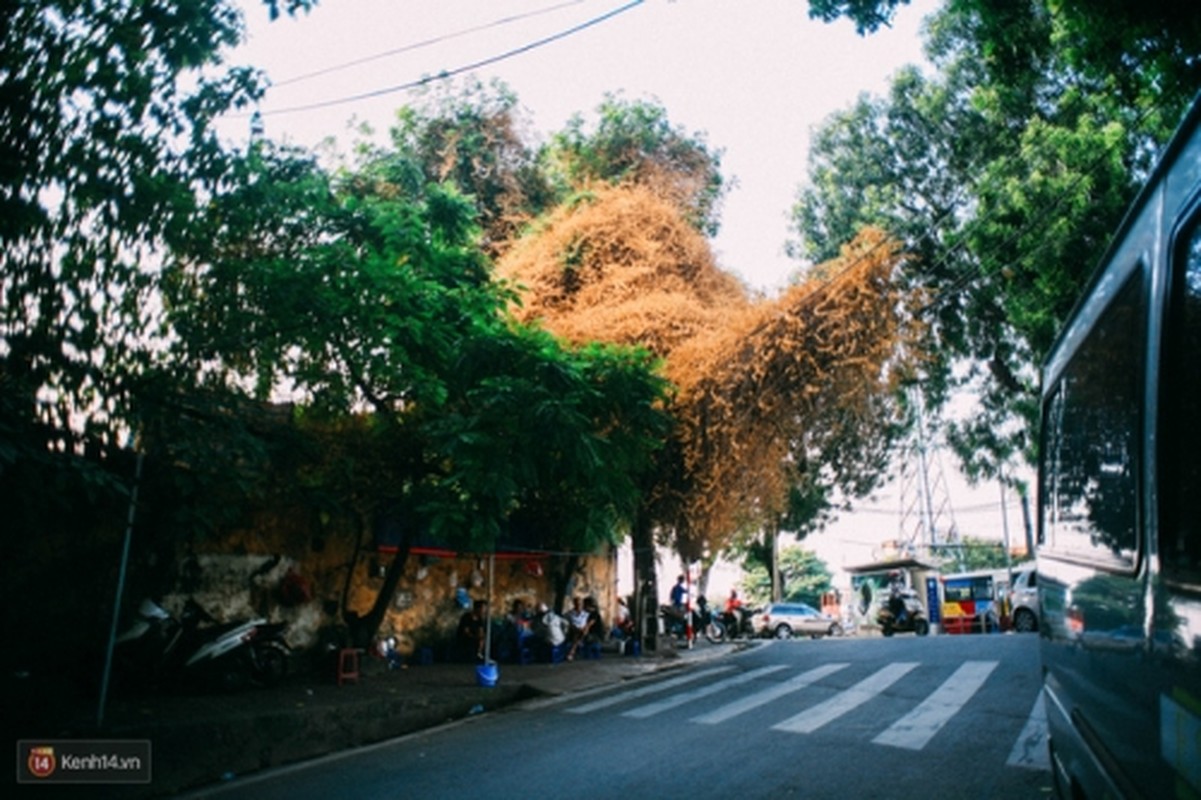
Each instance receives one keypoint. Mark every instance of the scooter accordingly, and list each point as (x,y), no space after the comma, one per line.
(704,621)
(197,649)
(902,614)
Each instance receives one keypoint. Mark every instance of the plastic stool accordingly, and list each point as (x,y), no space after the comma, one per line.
(592,650)
(426,656)
(348,665)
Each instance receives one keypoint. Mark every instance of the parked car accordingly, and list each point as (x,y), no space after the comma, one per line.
(1023,601)
(788,619)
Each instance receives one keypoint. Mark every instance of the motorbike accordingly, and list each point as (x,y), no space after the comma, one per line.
(903,613)
(704,622)
(738,623)
(196,649)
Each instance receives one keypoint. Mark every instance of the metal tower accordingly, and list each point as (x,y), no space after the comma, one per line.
(927,523)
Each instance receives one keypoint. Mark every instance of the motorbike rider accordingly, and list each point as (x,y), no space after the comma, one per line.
(896,597)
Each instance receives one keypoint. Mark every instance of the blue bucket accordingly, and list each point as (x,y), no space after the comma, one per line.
(487,674)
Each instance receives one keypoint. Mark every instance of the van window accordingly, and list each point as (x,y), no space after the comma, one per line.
(1180,415)
(1091,441)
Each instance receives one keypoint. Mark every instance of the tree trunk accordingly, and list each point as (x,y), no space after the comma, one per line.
(363,629)
(646,590)
(773,567)
(563,580)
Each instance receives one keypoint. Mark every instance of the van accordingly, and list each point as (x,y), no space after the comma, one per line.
(1119,545)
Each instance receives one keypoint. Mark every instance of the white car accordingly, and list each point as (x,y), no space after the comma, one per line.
(787,619)
(1023,601)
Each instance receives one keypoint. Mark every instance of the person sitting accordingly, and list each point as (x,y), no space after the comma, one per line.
(469,638)
(596,625)
(516,630)
(623,623)
(581,623)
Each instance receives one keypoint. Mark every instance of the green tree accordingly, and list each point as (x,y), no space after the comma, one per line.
(635,141)
(473,136)
(1004,175)
(357,296)
(973,553)
(804,577)
(106,140)
(1136,48)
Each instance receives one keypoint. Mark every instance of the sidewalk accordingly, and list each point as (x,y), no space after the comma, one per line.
(201,739)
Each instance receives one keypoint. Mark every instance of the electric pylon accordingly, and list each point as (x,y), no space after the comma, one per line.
(927,524)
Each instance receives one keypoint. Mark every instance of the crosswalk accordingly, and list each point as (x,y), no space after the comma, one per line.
(743,692)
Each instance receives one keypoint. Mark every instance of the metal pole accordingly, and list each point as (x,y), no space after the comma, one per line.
(124,566)
(1005,531)
(688,633)
(488,616)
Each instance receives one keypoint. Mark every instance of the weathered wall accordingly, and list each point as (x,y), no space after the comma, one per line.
(273,570)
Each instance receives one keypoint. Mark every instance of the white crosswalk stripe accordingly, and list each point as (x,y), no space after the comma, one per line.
(653,688)
(642,712)
(769,694)
(1030,750)
(914,730)
(811,719)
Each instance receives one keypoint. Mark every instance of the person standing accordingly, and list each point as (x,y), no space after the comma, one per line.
(679,593)
(469,638)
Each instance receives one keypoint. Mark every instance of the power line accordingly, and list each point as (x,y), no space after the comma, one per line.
(408,48)
(461,69)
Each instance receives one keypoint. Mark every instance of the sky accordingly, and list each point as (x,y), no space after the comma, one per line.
(754,76)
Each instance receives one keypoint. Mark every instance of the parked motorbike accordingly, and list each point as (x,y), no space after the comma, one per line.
(903,613)
(196,649)
(704,622)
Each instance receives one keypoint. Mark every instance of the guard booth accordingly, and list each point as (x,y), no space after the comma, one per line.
(870,589)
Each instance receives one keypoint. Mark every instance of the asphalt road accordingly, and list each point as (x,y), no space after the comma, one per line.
(938,717)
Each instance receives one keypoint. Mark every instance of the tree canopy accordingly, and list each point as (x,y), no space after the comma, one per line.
(767,394)
(1004,173)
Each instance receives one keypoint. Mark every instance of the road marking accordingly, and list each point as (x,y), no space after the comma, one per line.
(614,699)
(1030,750)
(813,718)
(915,730)
(767,695)
(642,712)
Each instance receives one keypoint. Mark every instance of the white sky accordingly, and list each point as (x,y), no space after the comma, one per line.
(755,76)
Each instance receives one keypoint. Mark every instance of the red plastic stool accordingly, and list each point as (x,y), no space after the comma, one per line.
(348,665)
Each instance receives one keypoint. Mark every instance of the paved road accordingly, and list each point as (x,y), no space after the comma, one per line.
(941,717)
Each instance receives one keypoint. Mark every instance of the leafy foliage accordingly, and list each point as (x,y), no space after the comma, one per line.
(354,295)
(1004,175)
(473,137)
(972,553)
(635,142)
(804,577)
